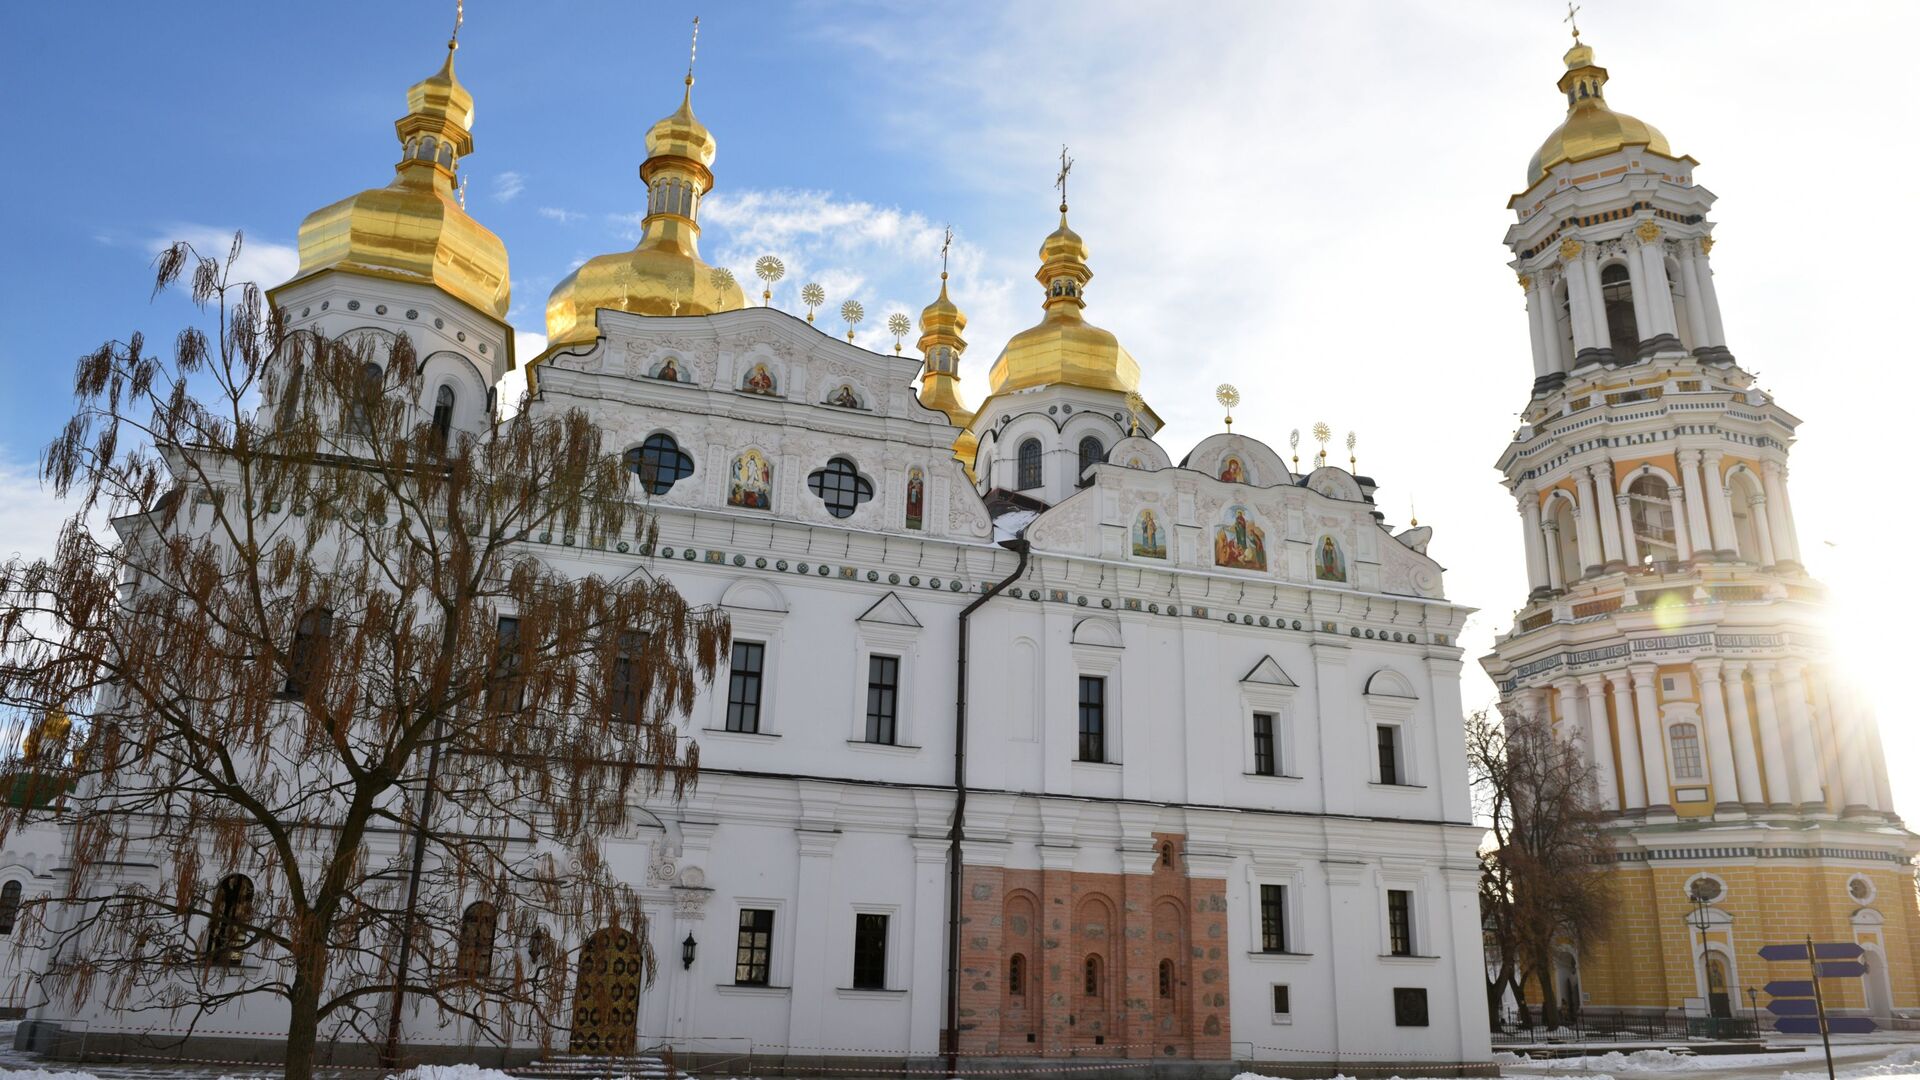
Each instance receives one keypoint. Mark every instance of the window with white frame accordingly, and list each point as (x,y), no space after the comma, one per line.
(1282,1000)
(1275,928)
(1389,754)
(1266,708)
(1389,707)
(1400,923)
(887,640)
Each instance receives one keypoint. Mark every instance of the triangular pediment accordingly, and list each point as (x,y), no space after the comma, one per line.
(889,609)
(1268,672)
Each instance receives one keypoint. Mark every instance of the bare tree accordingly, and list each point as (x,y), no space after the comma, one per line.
(1542,883)
(326,692)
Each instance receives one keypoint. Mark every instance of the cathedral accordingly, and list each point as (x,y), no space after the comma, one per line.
(1671,629)
(1207,759)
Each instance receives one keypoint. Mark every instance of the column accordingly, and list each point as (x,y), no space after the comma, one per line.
(1653,264)
(1569,724)
(1632,780)
(1709,299)
(1629,543)
(1536,326)
(1696,311)
(1609,520)
(1792,531)
(1719,510)
(1579,305)
(1773,483)
(1773,743)
(1585,514)
(1550,534)
(1636,277)
(1853,749)
(1806,757)
(1598,299)
(1697,529)
(925,965)
(1677,506)
(1713,707)
(1599,735)
(1653,742)
(1762,528)
(1532,540)
(1550,326)
(813,972)
(1746,755)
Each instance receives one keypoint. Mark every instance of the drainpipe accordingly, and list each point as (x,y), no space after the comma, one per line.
(958,833)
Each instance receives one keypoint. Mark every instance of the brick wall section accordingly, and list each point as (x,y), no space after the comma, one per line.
(1055,920)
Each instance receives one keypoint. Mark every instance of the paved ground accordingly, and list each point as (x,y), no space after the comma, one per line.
(1804,1059)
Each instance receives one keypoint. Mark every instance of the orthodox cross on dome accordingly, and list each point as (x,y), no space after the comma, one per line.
(945,243)
(459,16)
(1060,181)
(1573,10)
(693,49)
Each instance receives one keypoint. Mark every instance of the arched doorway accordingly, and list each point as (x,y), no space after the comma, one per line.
(1568,967)
(606,994)
(1879,990)
(1719,1002)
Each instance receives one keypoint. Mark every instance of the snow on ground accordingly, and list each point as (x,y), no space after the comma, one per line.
(1905,1063)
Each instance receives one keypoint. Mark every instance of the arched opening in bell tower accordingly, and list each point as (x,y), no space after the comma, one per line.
(1566,535)
(1744,494)
(1650,505)
(1676,289)
(1623,329)
(1563,322)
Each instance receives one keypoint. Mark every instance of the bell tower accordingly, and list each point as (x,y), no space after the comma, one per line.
(1669,628)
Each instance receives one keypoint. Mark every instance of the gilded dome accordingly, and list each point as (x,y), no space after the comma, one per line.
(414,228)
(1064,348)
(1591,128)
(663,274)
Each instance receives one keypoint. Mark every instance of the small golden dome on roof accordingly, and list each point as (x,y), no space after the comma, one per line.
(941,324)
(663,274)
(414,228)
(1591,128)
(1064,348)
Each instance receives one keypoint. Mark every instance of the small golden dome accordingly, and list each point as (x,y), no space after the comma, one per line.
(663,274)
(414,228)
(1591,128)
(941,323)
(1064,348)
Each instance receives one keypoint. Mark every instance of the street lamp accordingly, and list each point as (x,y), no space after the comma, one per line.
(687,949)
(1700,920)
(1753,1006)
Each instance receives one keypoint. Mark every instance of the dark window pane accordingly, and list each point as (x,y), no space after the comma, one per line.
(869,951)
(1273,918)
(229,929)
(1091,453)
(1410,1006)
(1389,740)
(443,413)
(477,928)
(310,639)
(1263,758)
(883,693)
(659,463)
(1282,1006)
(506,689)
(1093,718)
(9,906)
(1017,975)
(743,686)
(628,681)
(1029,462)
(840,486)
(753,951)
(1400,922)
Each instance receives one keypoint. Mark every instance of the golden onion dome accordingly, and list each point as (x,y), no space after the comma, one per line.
(941,324)
(663,274)
(414,229)
(1064,348)
(1591,128)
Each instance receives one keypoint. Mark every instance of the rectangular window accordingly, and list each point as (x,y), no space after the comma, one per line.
(1400,922)
(627,682)
(505,689)
(1410,1006)
(753,952)
(1282,1003)
(869,951)
(1389,742)
(1265,763)
(1093,718)
(883,698)
(1273,918)
(743,686)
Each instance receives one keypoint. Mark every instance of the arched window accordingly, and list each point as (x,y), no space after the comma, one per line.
(539,947)
(1166,853)
(1623,332)
(477,926)
(1568,537)
(1091,453)
(443,412)
(228,934)
(308,650)
(1650,505)
(1166,978)
(840,486)
(659,463)
(1685,740)
(1016,975)
(9,906)
(360,409)
(1095,975)
(1029,477)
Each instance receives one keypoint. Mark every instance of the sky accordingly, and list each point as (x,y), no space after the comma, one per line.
(1305,199)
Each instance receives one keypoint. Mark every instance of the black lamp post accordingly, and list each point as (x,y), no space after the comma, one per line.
(1753,1007)
(687,949)
(1701,920)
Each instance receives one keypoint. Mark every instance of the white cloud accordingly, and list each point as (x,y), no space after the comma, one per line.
(507,185)
(564,217)
(33,514)
(261,261)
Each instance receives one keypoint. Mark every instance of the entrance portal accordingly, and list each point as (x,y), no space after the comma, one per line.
(1718,1002)
(606,995)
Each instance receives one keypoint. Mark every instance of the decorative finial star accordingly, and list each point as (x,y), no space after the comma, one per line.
(1060,181)
(1573,9)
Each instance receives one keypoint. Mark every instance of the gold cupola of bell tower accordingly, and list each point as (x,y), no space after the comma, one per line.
(663,274)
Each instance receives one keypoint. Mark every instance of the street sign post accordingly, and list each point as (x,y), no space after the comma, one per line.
(1841,969)
(1799,1006)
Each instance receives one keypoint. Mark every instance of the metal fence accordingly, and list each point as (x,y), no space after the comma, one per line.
(1604,1025)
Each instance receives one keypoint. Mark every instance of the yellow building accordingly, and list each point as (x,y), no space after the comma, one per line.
(1671,629)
